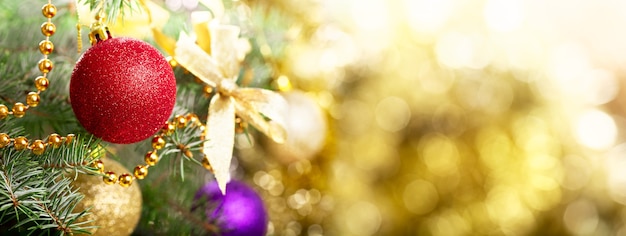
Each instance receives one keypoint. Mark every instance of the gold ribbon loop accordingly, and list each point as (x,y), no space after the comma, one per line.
(224,48)
(191,56)
(250,114)
(266,102)
(219,137)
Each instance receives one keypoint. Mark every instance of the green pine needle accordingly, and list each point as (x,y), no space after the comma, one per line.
(113,8)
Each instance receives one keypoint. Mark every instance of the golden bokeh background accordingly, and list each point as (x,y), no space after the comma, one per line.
(461,117)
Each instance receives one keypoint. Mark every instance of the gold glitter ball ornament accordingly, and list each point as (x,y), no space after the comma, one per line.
(114,209)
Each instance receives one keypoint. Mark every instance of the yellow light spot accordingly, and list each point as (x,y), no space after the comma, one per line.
(596,129)
(363,218)
(449,222)
(540,143)
(440,154)
(315,230)
(495,148)
(325,99)
(539,199)
(581,217)
(392,114)
(541,162)
(283,83)
(420,197)
(507,209)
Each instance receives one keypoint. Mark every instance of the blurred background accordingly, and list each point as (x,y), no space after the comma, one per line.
(496,117)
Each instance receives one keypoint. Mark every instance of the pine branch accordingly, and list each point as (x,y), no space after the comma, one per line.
(76,158)
(34,198)
(113,8)
(19,185)
(58,206)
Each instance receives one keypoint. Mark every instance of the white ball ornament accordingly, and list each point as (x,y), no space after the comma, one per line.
(306,127)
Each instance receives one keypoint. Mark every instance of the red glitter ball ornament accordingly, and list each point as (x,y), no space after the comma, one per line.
(122,90)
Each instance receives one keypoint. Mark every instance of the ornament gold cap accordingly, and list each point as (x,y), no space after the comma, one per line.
(99,30)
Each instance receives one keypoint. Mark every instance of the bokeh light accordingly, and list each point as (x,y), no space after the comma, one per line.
(596,129)
(476,117)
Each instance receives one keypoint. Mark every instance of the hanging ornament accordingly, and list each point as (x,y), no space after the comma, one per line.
(306,128)
(122,90)
(239,213)
(113,208)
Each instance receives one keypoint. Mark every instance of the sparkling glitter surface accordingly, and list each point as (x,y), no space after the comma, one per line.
(115,209)
(122,90)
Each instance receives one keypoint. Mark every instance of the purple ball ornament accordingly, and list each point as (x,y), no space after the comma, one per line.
(238,213)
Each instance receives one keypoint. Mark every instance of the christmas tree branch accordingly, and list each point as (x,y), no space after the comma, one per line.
(113,8)
(65,165)
(35,198)
(58,206)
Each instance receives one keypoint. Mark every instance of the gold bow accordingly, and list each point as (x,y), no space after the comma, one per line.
(220,70)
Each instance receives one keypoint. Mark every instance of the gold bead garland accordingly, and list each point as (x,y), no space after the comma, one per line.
(45,65)
(152,157)
(38,147)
